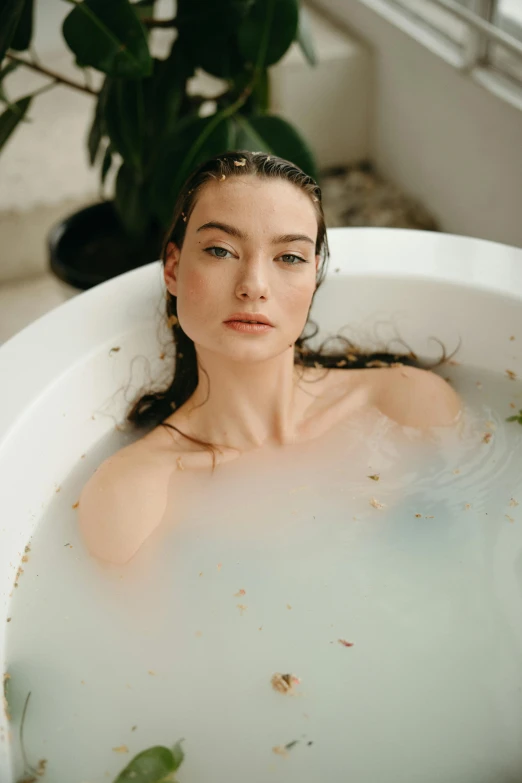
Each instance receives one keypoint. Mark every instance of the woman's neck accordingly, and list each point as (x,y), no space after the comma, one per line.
(246,405)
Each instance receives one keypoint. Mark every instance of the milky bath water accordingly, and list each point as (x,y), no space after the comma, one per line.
(380,568)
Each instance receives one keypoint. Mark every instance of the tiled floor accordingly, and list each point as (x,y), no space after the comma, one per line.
(24,301)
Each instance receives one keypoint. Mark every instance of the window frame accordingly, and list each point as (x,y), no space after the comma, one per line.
(477,56)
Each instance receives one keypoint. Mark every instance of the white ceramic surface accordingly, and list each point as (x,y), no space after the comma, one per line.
(61,385)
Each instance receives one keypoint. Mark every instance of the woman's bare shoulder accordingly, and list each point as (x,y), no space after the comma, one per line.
(415,397)
(124,501)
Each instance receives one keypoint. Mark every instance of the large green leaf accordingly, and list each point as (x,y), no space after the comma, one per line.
(98,127)
(106,163)
(24,31)
(10,118)
(202,138)
(268,31)
(268,133)
(247,138)
(166,90)
(144,9)
(130,201)
(10,14)
(304,37)
(125,119)
(107,35)
(258,102)
(208,29)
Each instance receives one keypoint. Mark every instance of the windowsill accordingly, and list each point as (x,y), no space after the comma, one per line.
(495,82)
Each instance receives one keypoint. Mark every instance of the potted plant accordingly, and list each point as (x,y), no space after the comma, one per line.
(146,123)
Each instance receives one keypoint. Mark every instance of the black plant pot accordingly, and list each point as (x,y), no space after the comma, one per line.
(91,246)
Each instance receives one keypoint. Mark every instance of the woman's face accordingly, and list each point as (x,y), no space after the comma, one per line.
(249,247)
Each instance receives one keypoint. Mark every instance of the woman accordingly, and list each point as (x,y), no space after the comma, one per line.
(248,243)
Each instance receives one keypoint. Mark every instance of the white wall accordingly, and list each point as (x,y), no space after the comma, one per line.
(439,135)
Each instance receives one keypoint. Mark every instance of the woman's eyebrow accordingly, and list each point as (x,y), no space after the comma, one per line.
(235,232)
(292,238)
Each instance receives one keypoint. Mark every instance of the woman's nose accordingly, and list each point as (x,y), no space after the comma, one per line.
(254,277)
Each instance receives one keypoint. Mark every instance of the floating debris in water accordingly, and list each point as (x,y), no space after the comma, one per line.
(242,608)
(240,593)
(76,504)
(513,502)
(6,679)
(511,375)
(284,683)
(375,477)
(376,504)
(487,437)
(510,519)
(115,350)
(282,750)
(121,749)
(345,643)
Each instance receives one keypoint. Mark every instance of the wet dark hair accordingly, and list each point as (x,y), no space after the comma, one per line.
(153,408)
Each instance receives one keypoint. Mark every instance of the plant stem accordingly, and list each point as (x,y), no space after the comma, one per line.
(52,75)
(27,766)
(149,22)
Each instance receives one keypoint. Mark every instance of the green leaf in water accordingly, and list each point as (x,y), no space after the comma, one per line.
(154,765)
(516,417)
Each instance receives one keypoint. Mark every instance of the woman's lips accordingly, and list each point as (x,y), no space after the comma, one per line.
(248,326)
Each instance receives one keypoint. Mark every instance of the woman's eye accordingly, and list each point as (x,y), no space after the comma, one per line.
(217,252)
(294,260)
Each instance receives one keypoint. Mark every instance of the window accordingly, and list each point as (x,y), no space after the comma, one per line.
(483,37)
(508,17)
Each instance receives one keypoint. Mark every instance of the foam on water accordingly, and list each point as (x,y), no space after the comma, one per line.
(263,568)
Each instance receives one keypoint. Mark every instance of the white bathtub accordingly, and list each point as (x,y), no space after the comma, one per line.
(61,384)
